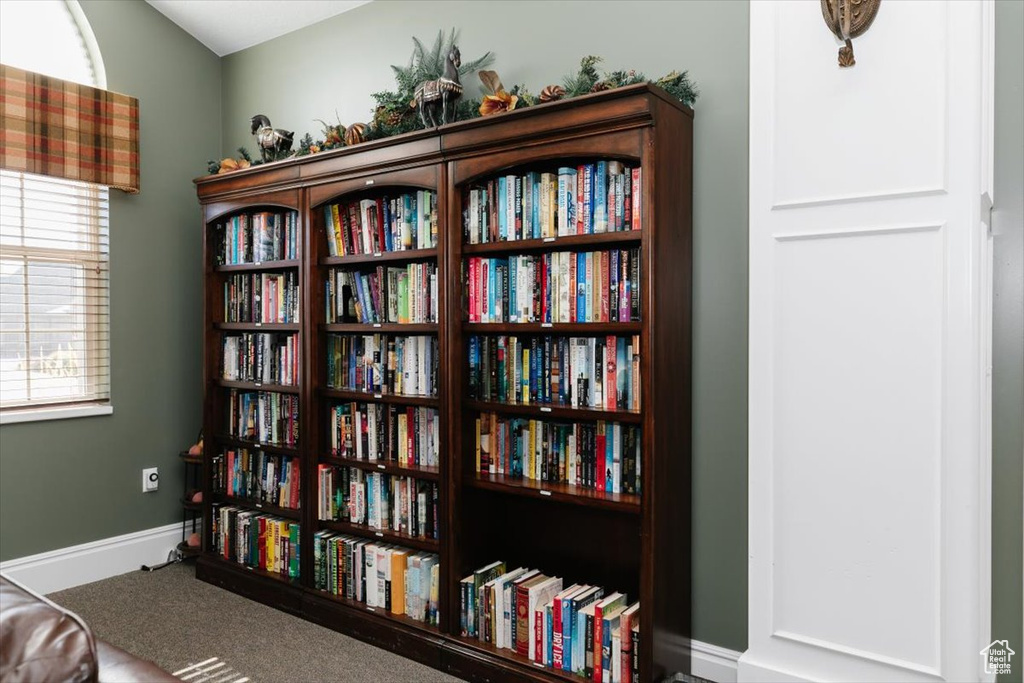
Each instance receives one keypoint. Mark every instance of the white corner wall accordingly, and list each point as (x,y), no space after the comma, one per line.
(870,332)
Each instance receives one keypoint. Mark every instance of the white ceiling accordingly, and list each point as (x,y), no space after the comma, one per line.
(227,26)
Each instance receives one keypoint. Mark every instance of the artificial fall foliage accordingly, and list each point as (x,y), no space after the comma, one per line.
(395,110)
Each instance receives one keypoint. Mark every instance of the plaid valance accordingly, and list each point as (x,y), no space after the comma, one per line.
(57,128)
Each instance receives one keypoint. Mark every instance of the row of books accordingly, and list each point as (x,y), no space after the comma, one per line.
(256,540)
(581,200)
(259,237)
(266,357)
(579,629)
(383,363)
(378,500)
(558,287)
(407,435)
(379,575)
(258,477)
(262,298)
(264,416)
(383,295)
(370,226)
(604,456)
(582,372)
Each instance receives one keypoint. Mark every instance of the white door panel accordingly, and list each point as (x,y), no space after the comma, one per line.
(868,345)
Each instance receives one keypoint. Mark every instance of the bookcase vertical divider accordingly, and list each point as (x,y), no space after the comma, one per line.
(452,323)
(634,542)
(311,434)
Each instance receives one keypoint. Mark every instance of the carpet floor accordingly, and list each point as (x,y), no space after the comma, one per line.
(170,618)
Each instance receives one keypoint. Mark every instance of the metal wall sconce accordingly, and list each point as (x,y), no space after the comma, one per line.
(848,19)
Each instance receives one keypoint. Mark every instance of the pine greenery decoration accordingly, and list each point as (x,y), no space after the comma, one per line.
(428,65)
(304,145)
(526,98)
(680,87)
(584,80)
(395,112)
(587,80)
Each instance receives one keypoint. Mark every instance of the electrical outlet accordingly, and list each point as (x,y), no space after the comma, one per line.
(150,479)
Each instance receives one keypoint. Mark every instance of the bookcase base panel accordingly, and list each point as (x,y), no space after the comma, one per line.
(468,661)
(246,582)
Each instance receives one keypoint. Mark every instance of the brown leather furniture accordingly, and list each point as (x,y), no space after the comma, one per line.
(41,641)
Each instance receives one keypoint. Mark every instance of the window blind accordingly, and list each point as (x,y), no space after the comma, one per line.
(54,292)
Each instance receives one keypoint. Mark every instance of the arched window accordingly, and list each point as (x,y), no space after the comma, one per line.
(54,233)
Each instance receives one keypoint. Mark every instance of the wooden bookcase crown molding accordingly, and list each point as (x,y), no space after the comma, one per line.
(559,522)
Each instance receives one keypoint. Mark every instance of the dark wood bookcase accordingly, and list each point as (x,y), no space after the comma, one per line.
(635,543)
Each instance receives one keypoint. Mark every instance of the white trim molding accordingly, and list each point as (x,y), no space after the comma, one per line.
(707,661)
(42,413)
(63,568)
(713,662)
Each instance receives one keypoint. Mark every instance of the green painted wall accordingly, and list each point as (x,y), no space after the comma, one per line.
(1008,335)
(71,481)
(337,63)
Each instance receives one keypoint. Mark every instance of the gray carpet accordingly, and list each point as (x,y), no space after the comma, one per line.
(170,618)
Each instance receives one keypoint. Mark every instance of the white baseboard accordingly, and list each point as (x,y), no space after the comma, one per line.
(69,567)
(708,661)
(713,662)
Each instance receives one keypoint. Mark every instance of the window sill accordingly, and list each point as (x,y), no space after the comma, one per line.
(43,414)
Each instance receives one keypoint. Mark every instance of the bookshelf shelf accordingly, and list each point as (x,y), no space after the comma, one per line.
(257,267)
(287,513)
(257,327)
(190,459)
(564,243)
(274,577)
(380,257)
(418,471)
(519,662)
(259,386)
(256,445)
(377,612)
(189,505)
(374,328)
(575,329)
(542,411)
(383,535)
(381,397)
(187,550)
(560,529)
(562,493)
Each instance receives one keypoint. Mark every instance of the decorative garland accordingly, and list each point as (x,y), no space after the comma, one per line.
(395,112)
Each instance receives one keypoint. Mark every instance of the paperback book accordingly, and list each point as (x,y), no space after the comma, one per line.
(256,540)
(382,224)
(556,287)
(577,629)
(600,455)
(603,196)
(262,298)
(407,435)
(258,237)
(383,363)
(261,357)
(602,373)
(378,500)
(381,576)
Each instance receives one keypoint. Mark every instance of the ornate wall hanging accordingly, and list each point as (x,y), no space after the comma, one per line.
(847,19)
